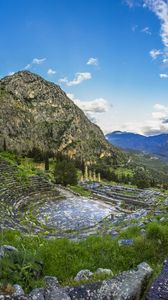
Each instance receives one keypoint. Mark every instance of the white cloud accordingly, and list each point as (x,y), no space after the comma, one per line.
(158,123)
(93,61)
(165,61)
(98,105)
(79,77)
(96,110)
(161,107)
(11,73)
(51,72)
(35,61)
(160,8)
(154,53)
(163,75)
(146,30)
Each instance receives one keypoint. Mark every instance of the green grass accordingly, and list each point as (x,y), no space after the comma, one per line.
(63,258)
(80,190)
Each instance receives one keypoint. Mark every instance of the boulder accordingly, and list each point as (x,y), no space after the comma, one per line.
(83,275)
(18,291)
(159,288)
(104,271)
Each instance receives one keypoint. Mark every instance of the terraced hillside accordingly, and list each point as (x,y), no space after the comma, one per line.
(33,204)
(19,194)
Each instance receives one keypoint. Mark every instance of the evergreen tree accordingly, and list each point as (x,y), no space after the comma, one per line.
(65,173)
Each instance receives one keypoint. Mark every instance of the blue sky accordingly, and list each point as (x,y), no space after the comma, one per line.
(109,56)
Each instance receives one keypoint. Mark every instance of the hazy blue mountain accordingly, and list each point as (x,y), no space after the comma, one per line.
(157,144)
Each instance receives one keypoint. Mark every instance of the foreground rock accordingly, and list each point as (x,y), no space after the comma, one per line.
(128,285)
(159,288)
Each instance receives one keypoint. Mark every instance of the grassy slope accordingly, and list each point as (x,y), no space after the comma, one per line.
(64,259)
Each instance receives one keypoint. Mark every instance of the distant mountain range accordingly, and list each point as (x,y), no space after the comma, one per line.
(157,144)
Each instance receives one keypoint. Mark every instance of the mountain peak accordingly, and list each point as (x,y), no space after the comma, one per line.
(36,113)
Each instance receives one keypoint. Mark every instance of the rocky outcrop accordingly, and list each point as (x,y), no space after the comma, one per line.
(37,114)
(128,285)
(159,288)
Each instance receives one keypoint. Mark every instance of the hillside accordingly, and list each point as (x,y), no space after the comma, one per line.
(157,145)
(37,114)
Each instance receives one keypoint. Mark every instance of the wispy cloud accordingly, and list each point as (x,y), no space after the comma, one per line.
(35,61)
(51,72)
(93,61)
(134,28)
(154,53)
(79,78)
(163,75)
(146,30)
(160,8)
(130,3)
(11,73)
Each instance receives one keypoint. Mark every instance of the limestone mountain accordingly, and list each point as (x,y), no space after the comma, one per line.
(35,113)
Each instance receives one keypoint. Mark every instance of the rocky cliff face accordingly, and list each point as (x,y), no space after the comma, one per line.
(37,113)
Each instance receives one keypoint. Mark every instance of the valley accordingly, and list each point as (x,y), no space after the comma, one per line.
(74,211)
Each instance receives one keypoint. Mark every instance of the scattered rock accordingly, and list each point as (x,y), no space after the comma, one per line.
(18,291)
(113,232)
(7,249)
(83,275)
(166,201)
(141,225)
(126,242)
(163,219)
